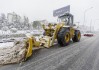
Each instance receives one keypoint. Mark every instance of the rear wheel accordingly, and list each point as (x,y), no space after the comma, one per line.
(63,37)
(77,36)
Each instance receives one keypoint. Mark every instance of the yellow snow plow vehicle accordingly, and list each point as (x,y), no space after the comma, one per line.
(62,32)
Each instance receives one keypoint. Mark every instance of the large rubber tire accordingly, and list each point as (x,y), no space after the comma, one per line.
(77,36)
(63,37)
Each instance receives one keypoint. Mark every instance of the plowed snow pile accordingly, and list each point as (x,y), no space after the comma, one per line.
(12,52)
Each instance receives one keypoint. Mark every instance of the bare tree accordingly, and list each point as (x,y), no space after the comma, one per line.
(37,24)
(3,18)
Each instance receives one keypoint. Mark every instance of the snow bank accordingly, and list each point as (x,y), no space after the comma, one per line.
(13,52)
(6,45)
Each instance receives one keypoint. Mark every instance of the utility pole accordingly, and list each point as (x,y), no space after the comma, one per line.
(95,22)
(85,14)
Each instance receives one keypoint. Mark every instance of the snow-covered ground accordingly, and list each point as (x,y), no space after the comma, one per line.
(8,44)
(9,34)
(7,37)
(5,32)
(21,32)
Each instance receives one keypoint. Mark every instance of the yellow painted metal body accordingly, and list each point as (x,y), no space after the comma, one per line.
(72,31)
(32,44)
(29,49)
(49,29)
(67,37)
(52,31)
(58,26)
(79,35)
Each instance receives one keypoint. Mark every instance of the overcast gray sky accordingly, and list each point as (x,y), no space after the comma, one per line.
(43,9)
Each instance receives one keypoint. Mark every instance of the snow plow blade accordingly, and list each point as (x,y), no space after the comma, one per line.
(18,51)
